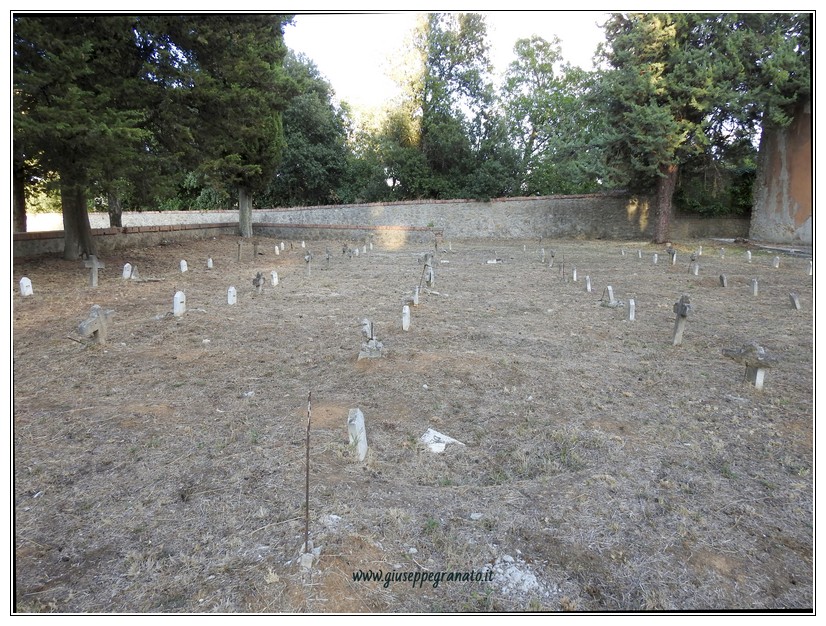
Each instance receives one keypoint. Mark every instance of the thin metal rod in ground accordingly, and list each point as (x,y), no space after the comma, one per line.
(307,482)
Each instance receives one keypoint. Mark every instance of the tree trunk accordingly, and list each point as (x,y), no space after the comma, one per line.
(19,204)
(115,210)
(665,193)
(244,213)
(77,231)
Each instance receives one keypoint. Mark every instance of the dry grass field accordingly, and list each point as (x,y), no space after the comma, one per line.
(603,468)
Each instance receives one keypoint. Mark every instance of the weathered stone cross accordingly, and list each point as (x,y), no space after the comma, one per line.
(97,324)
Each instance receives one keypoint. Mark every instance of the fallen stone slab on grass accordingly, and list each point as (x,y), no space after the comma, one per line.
(436,441)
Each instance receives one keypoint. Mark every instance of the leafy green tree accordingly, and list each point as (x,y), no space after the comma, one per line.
(315,156)
(551,124)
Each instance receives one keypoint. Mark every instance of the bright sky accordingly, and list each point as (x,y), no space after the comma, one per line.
(353,51)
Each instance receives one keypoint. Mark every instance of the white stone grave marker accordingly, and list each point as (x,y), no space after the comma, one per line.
(655,258)
(357,432)
(26,287)
(748,256)
(184,266)
(209,263)
(277,250)
(179,304)
(754,287)
(795,300)
(416,295)
(405,318)
(588,284)
(274,278)
(776,262)
(232,295)
(127,271)
(282,245)
(573,274)
(632,310)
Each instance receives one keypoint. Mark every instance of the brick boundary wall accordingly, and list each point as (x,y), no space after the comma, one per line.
(593,216)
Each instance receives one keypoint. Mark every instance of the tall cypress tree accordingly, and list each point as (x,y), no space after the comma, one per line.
(238,91)
(74,82)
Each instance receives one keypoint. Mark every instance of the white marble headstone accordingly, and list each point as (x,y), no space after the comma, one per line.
(184,267)
(127,271)
(274,278)
(232,296)
(179,304)
(405,318)
(25,287)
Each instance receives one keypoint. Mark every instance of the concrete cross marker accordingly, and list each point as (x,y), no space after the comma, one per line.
(258,282)
(274,278)
(632,310)
(754,287)
(755,358)
(795,300)
(127,271)
(357,432)
(776,262)
(405,318)
(184,266)
(94,265)
(209,263)
(682,308)
(723,280)
(232,296)
(370,349)
(179,304)
(96,326)
(26,287)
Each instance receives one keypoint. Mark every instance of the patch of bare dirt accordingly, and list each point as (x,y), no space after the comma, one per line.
(603,468)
